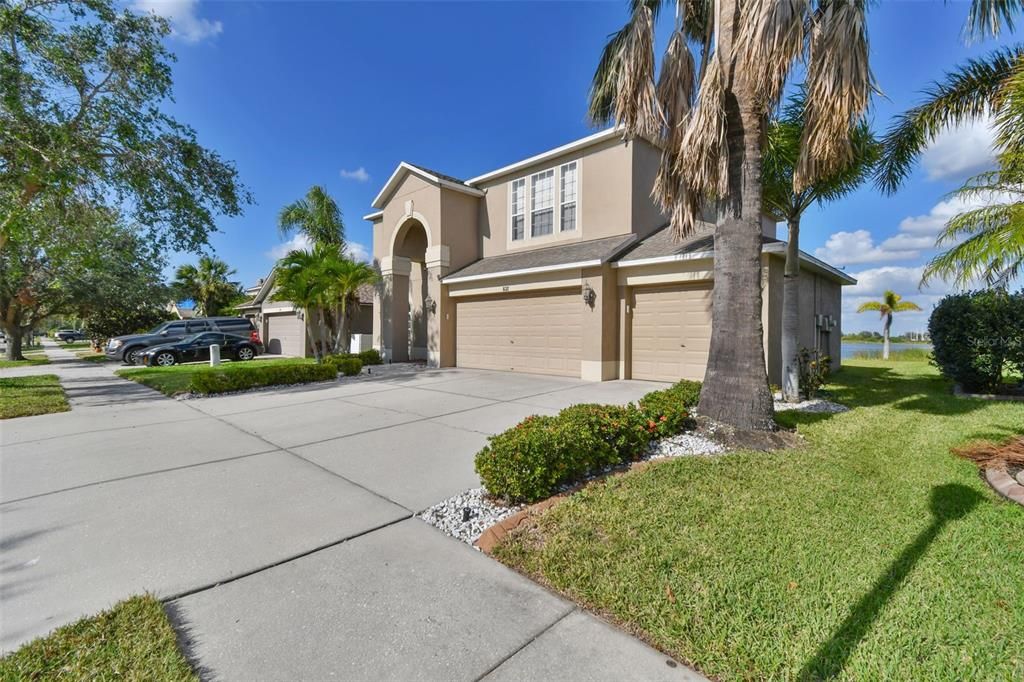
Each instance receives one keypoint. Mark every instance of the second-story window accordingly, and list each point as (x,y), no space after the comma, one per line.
(542,207)
(518,209)
(567,197)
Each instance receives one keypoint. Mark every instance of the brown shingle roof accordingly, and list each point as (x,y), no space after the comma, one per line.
(443,176)
(577,252)
(365,294)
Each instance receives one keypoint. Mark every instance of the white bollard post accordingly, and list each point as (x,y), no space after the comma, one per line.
(214,355)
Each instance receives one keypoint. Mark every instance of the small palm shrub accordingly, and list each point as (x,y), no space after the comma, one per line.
(813,367)
(530,461)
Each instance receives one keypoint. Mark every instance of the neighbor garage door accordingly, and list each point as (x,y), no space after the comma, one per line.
(285,335)
(671,332)
(538,333)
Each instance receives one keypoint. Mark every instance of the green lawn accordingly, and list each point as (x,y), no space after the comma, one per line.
(26,396)
(872,553)
(34,355)
(176,379)
(132,641)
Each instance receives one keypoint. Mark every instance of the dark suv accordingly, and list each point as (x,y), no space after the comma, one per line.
(127,348)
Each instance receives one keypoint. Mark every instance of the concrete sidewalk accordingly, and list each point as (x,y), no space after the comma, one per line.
(278,526)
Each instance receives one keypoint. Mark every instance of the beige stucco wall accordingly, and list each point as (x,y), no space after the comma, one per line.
(604,199)
(647,215)
(426,206)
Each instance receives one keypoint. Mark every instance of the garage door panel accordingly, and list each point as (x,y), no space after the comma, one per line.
(537,333)
(285,335)
(671,332)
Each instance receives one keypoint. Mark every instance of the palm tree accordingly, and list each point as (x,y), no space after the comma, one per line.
(781,154)
(207,284)
(316,216)
(348,277)
(299,278)
(992,229)
(891,303)
(711,122)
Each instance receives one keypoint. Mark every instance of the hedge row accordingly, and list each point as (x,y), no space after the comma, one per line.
(530,461)
(257,375)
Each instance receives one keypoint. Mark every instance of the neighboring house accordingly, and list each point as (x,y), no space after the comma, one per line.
(282,326)
(563,264)
(183,310)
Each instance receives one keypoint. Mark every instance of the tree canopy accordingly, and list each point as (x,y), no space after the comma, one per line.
(82,85)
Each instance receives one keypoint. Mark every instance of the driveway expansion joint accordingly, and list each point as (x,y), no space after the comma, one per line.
(529,641)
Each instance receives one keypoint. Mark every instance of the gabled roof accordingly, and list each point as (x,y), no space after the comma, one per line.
(549,154)
(439,179)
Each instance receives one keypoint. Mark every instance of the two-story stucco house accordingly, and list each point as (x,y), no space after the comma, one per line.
(562,264)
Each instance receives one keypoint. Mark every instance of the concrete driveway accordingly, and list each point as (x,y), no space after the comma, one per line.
(279,528)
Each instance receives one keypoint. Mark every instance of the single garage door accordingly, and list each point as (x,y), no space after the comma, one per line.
(537,333)
(671,332)
(286,335)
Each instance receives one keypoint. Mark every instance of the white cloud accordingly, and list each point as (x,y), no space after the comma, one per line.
(359,174)
(873,282)
(848,248)
(357,252)
(960,151)
(299,242)
(181,14)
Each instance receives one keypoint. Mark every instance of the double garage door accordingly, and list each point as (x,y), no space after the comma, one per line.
(537,333)
(671,332)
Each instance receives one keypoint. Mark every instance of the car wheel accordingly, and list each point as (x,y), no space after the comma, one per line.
(164,359)
(246,353)
(131,356)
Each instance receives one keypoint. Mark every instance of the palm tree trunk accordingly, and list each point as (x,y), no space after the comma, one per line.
(885,336)
(310,329)
(323,332)
(341,334)
(791,315)
(736,381)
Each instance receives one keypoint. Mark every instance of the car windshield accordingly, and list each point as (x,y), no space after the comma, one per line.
(157,329)
(190,338)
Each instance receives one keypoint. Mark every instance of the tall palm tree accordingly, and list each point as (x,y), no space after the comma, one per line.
(208,285)
(710,121)
(782,202)
(316,216)
(891,303)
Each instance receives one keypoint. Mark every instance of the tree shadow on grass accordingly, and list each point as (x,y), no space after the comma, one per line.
(857,386)
(948,503)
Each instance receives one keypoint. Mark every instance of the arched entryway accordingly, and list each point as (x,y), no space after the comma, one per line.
(408,314)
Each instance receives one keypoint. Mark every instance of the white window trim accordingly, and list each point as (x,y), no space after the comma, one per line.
(560,204)
(556,229)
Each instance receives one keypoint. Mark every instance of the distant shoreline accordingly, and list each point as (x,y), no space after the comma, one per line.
(880,341)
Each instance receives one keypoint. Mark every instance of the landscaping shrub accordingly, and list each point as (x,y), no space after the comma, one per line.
(256,375)
(371,357)
(532,459)
(669,409)
(350,366)
(813,368)
(978,336)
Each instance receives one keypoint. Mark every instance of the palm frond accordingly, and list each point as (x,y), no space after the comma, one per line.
(769,42)
(963,95)
(676,87)
(701,161)
(985,19)
(839,86)
(904,306)
(1009,119)
(869,306)
(989,246)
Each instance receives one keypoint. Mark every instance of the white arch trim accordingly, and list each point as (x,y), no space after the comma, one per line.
(415,215)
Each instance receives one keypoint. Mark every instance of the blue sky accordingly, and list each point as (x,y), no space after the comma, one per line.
(337,93)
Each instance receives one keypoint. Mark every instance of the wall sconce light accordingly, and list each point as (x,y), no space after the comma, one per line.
(430,305)
(589,295)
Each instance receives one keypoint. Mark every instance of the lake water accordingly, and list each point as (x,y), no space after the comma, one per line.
(875,349)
